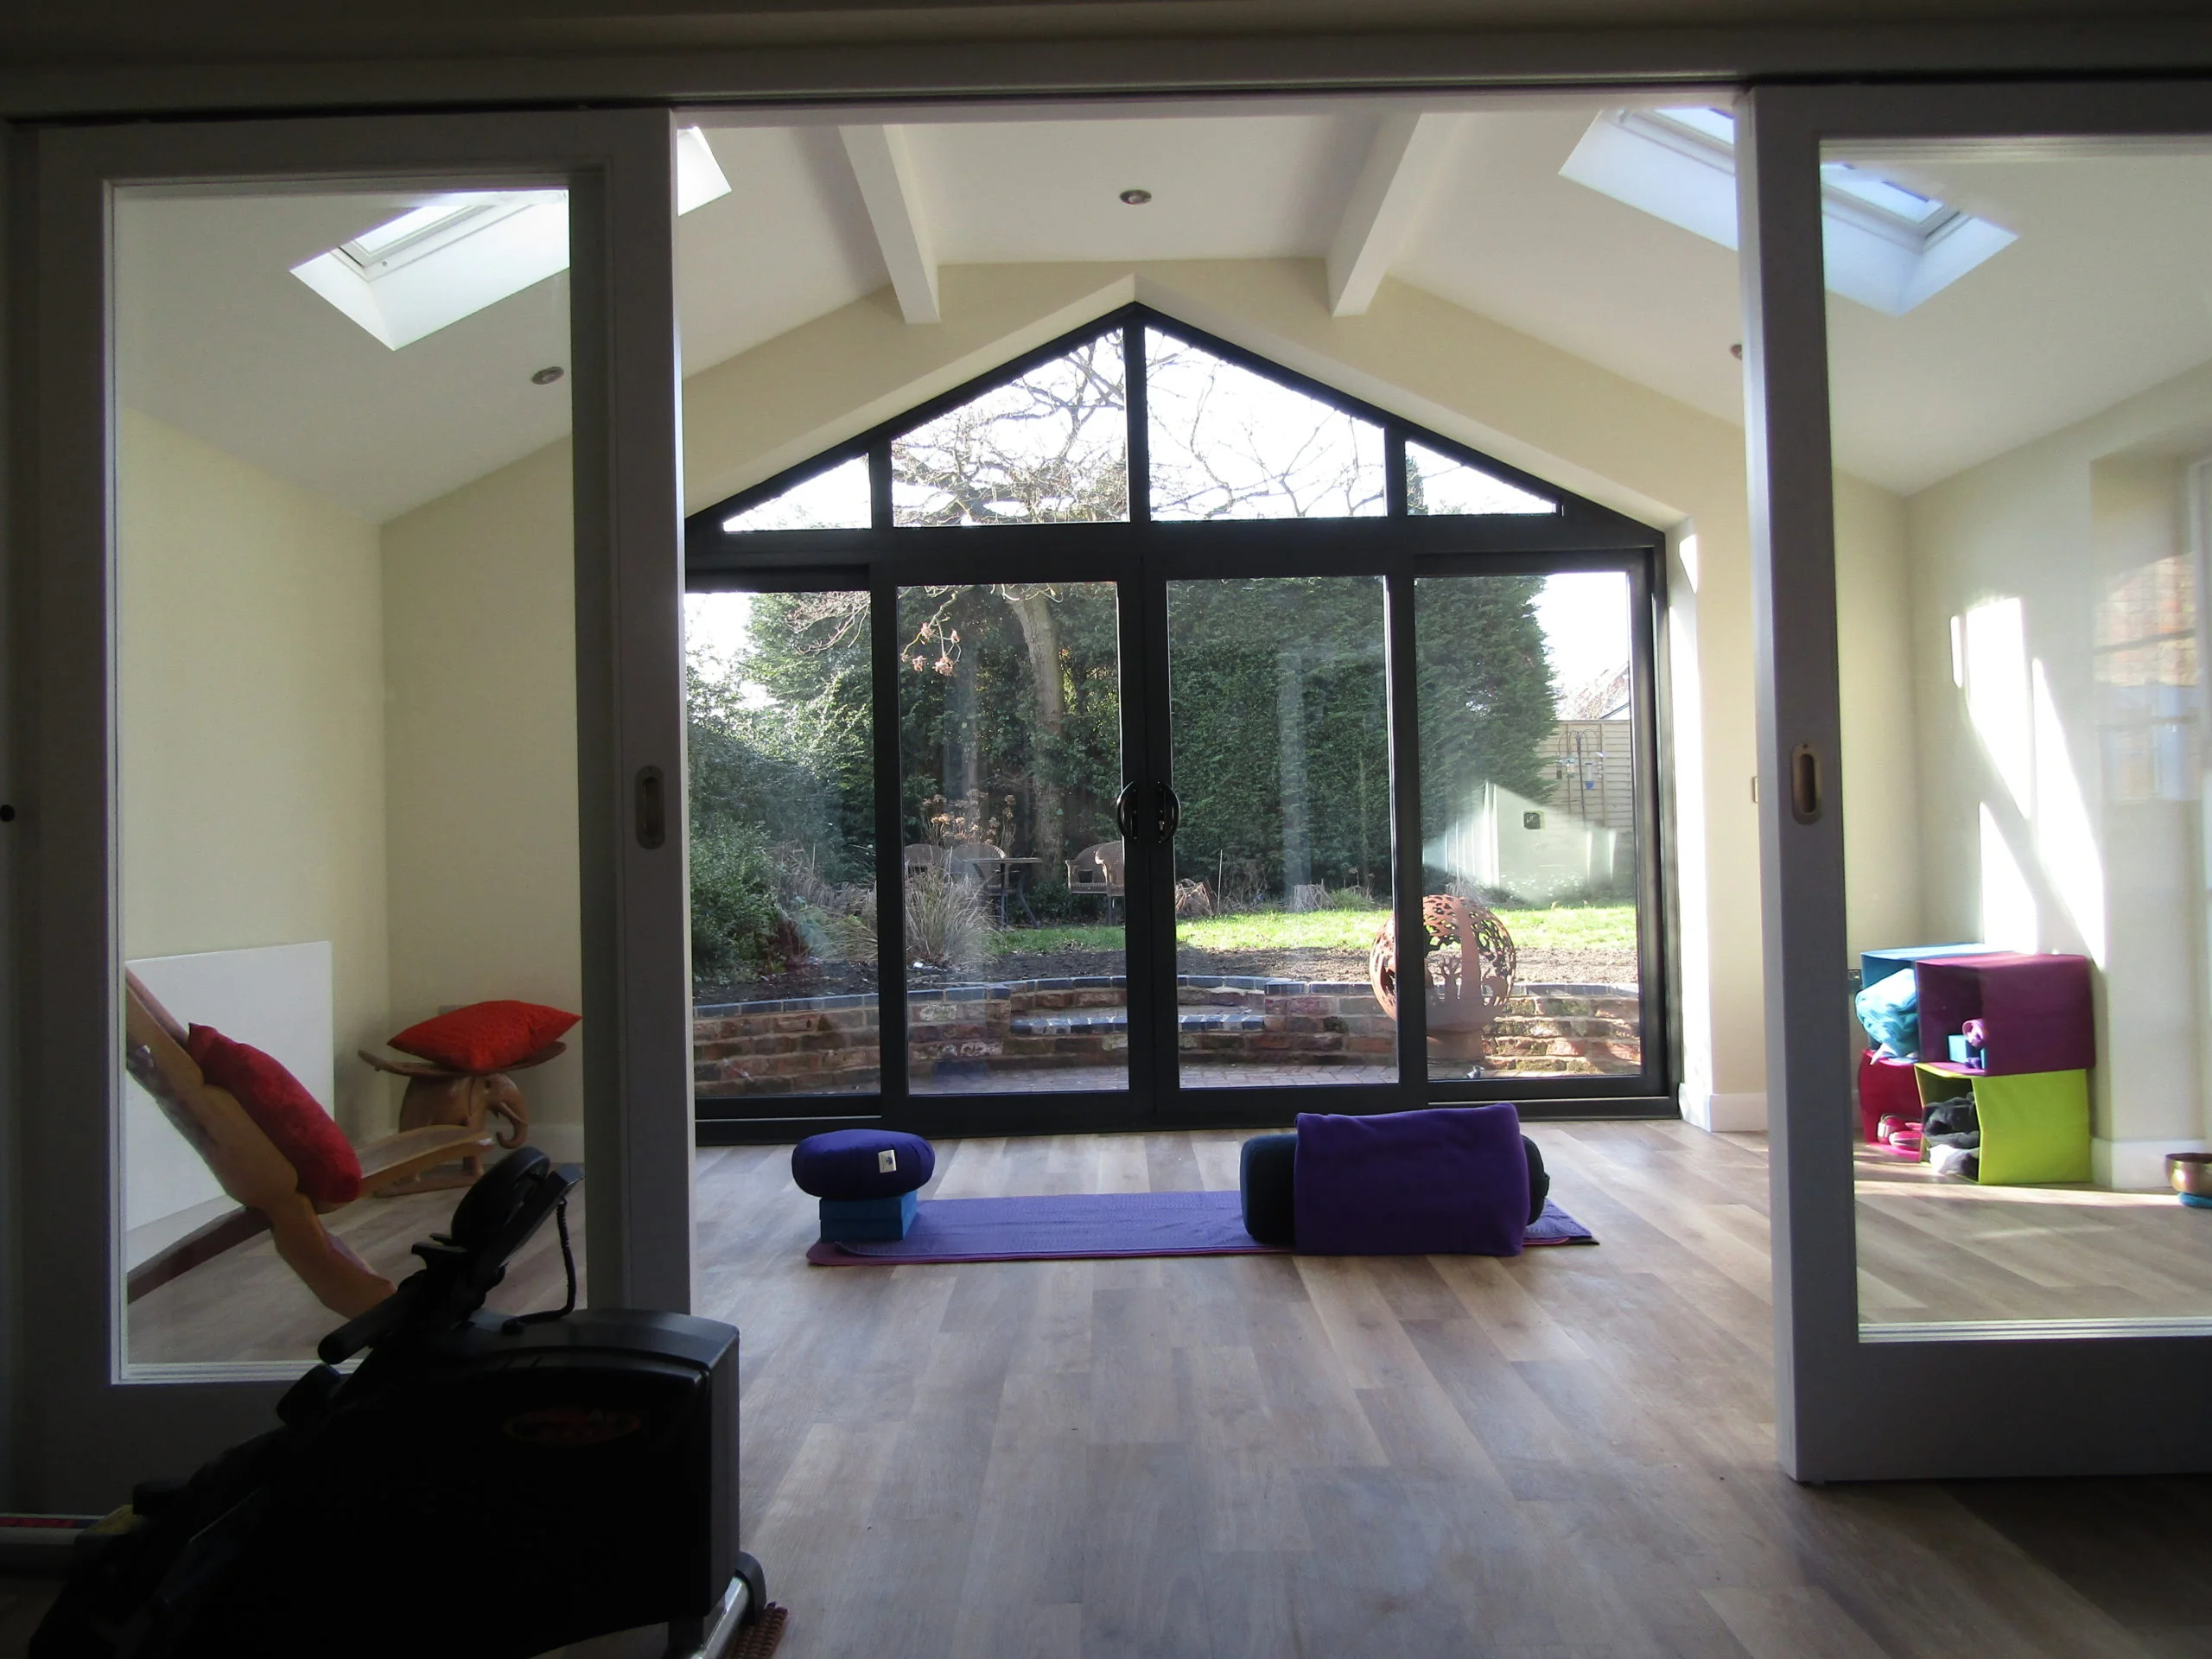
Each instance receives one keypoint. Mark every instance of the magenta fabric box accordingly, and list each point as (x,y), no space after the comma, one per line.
(2034,1009)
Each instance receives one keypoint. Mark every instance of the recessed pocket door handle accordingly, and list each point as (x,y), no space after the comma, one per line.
(652,808)
(1804,784)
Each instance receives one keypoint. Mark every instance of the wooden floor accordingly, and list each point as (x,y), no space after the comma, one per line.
(246,1305)
(1935,1248)
(1568,1455)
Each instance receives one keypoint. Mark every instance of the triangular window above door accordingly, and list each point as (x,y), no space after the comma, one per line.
(834,499)
(1048,448)
(1228,442)
(1437,486)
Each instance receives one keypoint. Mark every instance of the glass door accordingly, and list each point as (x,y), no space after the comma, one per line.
(1171,691)
(359,734)
(1279,754)
(1980,417)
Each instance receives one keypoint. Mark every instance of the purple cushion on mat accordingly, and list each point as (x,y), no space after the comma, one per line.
(846,1164)
(1452,1180)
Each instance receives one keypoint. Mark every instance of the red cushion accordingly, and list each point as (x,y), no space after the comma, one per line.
(484,1036)
(283,1109)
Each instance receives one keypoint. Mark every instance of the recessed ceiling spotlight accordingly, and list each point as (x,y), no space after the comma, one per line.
(1136,198)
(546,377)
(1736,351)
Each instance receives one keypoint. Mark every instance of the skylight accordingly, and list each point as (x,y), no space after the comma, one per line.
(1886,246)
(454,254)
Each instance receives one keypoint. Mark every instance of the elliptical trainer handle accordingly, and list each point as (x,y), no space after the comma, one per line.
(367,1330)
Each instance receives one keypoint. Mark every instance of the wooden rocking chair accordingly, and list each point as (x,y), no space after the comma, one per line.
(258,1177)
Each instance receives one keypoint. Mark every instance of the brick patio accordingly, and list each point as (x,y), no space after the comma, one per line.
(999,1037)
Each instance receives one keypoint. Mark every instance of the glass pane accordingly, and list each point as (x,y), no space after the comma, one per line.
(1229,443)
(1281,756)
(346,725)
(1009,738)
(1528,838)
(835,500)
(2020,572)
(780,735)
(1051,447)
(1437,485)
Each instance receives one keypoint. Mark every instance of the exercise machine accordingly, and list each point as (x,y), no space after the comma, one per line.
(478,1484)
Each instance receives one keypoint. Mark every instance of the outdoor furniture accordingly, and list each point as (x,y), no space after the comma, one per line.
(923,855)
(1096,872)
(1003,877)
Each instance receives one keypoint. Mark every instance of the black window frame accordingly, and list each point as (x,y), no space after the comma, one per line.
(1140,553)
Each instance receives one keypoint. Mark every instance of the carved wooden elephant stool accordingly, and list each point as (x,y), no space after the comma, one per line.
(439,1096)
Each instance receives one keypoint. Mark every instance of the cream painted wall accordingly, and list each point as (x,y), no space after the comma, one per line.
(2056,525)
(480,652)
(251,726)
(1558,416)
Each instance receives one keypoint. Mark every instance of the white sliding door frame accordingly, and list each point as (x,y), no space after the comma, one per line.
(86,1432)
(1853,1405)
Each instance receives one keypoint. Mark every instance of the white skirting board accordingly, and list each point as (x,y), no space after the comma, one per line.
(1725,1114)
(2134,1166)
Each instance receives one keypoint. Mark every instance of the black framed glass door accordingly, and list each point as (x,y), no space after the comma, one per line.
(1120,668)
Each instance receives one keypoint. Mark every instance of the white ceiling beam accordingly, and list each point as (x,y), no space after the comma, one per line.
(885,172)
(1401,166)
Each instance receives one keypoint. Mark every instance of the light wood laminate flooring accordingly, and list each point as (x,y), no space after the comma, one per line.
(1568,1455)
(1933,1247)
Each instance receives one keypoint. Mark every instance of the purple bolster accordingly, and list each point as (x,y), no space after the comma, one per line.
(1452,1180)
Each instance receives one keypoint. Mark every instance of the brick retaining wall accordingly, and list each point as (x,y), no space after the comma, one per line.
(829,1043)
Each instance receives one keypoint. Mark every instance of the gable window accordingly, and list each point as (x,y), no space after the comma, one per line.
(1117,666)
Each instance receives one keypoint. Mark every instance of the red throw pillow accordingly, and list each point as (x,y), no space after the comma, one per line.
(484,1036)
(280,1107)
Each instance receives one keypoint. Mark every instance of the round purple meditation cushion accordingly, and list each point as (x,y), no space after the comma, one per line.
(848,1164)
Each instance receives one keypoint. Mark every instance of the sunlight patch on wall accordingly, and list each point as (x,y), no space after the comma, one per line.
(1996,694)
(2066,839)
(2008,904)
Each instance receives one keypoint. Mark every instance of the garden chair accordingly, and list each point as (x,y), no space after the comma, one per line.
(1096,872)
(259,1177)
(923,855)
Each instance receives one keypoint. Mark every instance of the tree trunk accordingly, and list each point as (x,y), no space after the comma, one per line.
(1040,634)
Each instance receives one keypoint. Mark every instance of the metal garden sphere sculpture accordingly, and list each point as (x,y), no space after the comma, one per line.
(1470,966)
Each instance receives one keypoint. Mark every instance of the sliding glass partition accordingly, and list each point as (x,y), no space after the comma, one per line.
(1979,360)
(2032,980)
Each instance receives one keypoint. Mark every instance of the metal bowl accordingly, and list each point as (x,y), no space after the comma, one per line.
(2190,1173)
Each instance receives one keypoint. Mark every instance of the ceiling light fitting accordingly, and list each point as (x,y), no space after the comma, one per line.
(547,375)
(1136,198)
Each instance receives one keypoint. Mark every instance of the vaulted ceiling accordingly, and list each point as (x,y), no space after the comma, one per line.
(2102,294)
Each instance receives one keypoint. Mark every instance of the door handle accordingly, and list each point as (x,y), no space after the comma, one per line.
(1170,811)
(1804,784)
(1125,811)
(652,808)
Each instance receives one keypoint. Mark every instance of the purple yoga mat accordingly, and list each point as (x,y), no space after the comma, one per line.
(1066,1226)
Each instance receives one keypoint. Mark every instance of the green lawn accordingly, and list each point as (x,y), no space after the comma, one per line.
(1564,927)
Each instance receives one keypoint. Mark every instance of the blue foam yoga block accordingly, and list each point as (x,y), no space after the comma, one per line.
(868,1221)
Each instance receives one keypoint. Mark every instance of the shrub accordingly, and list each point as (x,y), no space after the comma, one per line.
(946,923)
(737,928)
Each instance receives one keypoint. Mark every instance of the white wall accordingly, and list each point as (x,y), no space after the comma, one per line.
(251,726)
(2045,536)
(480,655)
